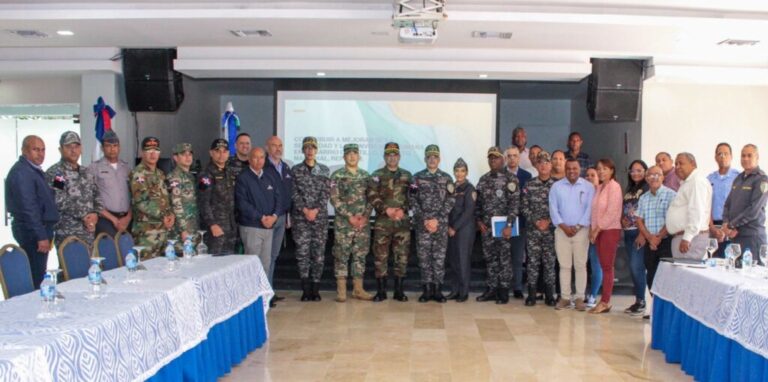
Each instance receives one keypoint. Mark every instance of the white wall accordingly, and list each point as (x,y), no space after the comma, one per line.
(42,90)
(695,117)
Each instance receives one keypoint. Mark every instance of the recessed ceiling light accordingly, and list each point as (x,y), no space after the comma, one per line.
(482,75)
(321,74)
(65,33)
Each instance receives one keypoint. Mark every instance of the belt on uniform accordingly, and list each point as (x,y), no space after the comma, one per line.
(118,214)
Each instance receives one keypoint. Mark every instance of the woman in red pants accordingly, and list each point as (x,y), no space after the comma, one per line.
(606,227)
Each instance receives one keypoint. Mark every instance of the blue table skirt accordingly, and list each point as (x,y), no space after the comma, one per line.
(228,343)
(701,352)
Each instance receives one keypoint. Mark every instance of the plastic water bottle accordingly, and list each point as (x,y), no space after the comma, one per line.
(131,261)
(47,289)
(746,261)
(170,255)
(189,249)
(48,296)
(94,278)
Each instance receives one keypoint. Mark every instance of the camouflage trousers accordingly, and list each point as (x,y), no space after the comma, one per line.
(497,253)
(541,254)
(350,244)
(224,244)
(431,249)
(77,230)
(310,238)
(399,239)
(152,236)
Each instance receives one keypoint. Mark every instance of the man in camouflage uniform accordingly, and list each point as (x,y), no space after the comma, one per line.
(216,200)
(388,193)
(75,193)
(352,233)
(181,186)
(498,194)
(152,214)
(311,191)
(541,237)
(432,199)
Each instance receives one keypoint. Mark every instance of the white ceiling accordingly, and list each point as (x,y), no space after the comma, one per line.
(551,40)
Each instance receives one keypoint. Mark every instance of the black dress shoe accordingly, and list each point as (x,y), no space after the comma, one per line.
(272,303)
(316,291)
(452,296)
(531,299)
(488,295)
(518,294)
(278,298)
(462,298)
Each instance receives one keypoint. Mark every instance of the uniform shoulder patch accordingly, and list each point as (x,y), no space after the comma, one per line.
(764,187)
(474,195)
(204,183)
(451,188)
(512,186)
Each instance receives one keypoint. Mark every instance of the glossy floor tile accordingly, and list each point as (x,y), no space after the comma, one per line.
(471,341)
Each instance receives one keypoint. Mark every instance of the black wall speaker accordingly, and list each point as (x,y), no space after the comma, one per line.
(151,84)
(615,90)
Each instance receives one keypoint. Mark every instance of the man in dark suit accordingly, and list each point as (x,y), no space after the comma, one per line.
(518,242)
(30,201)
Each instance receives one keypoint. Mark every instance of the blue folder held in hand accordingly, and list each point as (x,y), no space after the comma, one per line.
(500,222)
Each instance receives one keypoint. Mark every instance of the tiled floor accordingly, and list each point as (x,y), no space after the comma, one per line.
(394,341)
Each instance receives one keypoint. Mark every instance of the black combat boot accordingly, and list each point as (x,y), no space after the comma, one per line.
(306,288)
(488,295)
(316,291)
(399,295)
(427,294)
(531,299)
(502,296)
(438,295)
(381,289)
(549,296)
(462,297)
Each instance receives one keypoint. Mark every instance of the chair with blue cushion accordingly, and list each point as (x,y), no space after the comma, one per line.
(105,246)
(15,271)
(74,258)
(124,242)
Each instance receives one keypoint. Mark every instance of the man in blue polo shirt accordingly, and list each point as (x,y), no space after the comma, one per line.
(31,203)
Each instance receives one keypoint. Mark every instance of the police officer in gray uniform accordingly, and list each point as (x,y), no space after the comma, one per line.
(75,193)
(311,191)
(744,210)
(541,236)
(498,195)
(216,200)
(461,233)
(431,200)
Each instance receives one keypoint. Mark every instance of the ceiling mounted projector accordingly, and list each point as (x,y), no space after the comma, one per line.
(417,20)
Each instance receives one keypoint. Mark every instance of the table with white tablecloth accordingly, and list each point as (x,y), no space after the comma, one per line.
(712,321)
(193,323)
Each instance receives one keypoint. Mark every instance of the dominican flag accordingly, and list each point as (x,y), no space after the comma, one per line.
(230,127)
(103,114)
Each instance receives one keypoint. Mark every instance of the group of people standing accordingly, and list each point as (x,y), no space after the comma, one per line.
(557,210)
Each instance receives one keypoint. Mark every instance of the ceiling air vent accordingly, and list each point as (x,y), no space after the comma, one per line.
(251,33)
(483,34)
(28,33)
(736,42)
